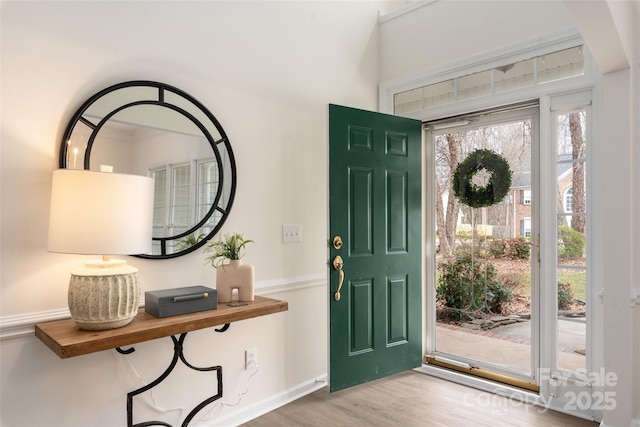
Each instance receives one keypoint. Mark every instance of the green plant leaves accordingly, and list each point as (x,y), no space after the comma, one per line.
(230,247)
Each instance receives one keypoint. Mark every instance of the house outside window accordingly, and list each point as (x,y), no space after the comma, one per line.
(525,227)
(568,200)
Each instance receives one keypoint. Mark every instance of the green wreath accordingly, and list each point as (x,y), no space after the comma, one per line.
(497,187)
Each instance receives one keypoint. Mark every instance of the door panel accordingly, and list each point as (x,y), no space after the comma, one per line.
(375,207)
(361,316)
(361,208)
(398,311)
(396,211)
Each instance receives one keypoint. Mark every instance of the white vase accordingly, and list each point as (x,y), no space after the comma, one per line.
(234,275)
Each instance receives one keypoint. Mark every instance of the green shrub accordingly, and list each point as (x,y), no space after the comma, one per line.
(570,243)
(565,295)
(467,285)
(517,248)
(497,248)
(477,248)
(496,296)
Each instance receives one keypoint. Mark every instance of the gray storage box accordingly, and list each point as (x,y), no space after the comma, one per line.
(172,302)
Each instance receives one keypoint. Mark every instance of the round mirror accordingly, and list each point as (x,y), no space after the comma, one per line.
(153,129)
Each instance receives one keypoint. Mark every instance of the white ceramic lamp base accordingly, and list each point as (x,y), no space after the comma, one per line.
(104,294)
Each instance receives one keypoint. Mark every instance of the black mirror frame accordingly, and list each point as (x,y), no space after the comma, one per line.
(160,101)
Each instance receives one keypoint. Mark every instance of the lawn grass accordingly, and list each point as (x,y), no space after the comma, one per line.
(577,279)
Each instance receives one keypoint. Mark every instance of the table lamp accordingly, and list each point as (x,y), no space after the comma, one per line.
(101,213)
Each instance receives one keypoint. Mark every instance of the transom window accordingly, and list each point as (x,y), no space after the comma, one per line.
(526,73)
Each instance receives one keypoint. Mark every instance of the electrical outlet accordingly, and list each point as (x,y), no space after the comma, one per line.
(250,358)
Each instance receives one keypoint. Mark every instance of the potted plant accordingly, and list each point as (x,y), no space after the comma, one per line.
(234,275)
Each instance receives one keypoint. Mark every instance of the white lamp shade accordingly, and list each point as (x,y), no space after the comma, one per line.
(99,213)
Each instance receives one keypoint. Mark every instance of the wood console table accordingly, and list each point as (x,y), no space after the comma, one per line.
(65,339)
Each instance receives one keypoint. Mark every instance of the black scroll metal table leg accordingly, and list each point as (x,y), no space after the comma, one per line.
(205,402)
(223,328)
(178,354)
(127,351)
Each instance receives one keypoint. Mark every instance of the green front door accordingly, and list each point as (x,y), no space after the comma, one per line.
(375,210)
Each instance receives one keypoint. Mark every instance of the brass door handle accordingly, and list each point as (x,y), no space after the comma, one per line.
(338,264)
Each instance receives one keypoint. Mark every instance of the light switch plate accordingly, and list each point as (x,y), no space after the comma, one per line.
(291,233)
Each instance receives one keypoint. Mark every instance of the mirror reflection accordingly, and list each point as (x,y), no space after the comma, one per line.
(155,130)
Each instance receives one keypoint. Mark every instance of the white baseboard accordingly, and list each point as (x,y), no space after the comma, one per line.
(634,423)
(273,402)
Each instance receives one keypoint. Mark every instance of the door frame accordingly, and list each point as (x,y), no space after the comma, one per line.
(549,95)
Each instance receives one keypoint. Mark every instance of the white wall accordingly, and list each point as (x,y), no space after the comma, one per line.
(444,32)
(267,71)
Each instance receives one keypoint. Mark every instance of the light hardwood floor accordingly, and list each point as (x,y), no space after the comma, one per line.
(412,399)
